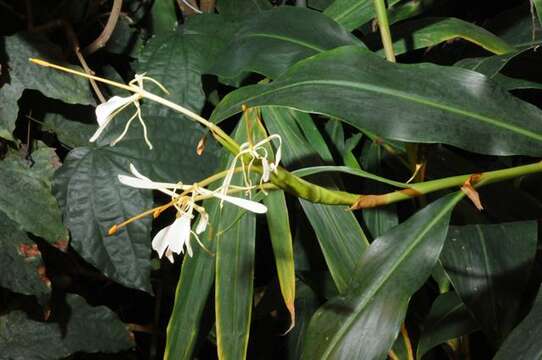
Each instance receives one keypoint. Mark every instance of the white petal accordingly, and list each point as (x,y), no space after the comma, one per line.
(105,110)
(169,256)
(137,174)
(181,231)
(202,223)
(249,205)
(148,184)
(98,132)
(162,240)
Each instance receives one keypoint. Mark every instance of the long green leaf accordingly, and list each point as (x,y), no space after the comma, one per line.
(447,320)
(281,240)
(489,266)
(239,9)
(538,5)
(491,65)
(363,323)
(416,103)
(341,238)
(427,32)
(290,40)
(524,342)
(234,277)
(353,13)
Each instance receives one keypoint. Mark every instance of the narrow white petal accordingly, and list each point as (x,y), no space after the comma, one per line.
(136,183)
(98,132)
(249,205)
(137,174)
(105,110)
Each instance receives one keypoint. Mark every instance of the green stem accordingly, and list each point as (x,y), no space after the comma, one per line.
(384,27)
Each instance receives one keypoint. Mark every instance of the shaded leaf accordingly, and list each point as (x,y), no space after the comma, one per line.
(291,40)
(26,194)
(353,13)
(416,103)
(427,32)
(363,323)
(491,65)
(278,223)
(71,133)
(489,266)
(235,9)
(524,341)
(164,18)
(448,319)
(19,261)
(25,76)
(89,329)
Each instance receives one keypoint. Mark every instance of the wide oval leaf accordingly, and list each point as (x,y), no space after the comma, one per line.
(363,323)
(290,40)
(422,103)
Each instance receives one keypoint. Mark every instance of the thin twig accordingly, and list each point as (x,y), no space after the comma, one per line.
(77,50)
(103,38)
(406,340)
(12,10)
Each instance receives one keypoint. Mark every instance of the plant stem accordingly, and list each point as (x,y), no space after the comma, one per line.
(384,27)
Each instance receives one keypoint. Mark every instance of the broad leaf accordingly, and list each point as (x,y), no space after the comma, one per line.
(70,133)
(447,320)
(93,200)
(26,194)
(416,103)
(340,237)
(290,40)
(239,9)
(353,13)
(24,76)
(489,266)
(20,261)
(524,342)
(88,329)
(427,32)
(363,323)
(491,65)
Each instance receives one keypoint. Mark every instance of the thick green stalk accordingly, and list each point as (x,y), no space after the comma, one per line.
(384,27)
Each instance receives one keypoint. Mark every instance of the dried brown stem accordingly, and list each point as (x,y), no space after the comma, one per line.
(77,50)
(207,5)
(103,38)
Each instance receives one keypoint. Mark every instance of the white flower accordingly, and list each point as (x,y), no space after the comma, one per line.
(107,111)
(174,238)
(256,152)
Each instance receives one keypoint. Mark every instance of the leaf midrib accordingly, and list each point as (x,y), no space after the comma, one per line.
(286,39)
(402,95)
(374,289)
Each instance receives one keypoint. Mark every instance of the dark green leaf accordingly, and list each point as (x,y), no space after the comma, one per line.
(409,9)
(448,319)
(427,32)
(19,261)
(290,40)
(89,329)
(524,342)
(164,18)
(416,103)
(93,200)
(489,266)
(281,239)
(381,219)
(353,13)
(239,9)
(25,76)
(339,234)
(26,194)
(71,133)
(491,65)
(363,323)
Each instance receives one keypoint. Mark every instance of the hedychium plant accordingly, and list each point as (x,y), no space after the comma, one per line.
(258,157)
(278,181)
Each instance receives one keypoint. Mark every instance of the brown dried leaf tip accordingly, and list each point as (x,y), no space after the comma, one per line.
(469,190)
